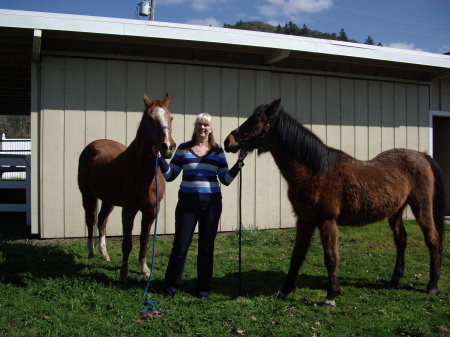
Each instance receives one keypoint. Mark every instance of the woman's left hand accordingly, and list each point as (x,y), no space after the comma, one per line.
(242,154)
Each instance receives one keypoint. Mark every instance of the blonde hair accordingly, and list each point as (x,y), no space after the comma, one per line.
(204,118)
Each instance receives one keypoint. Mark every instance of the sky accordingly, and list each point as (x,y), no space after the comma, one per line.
(421,25)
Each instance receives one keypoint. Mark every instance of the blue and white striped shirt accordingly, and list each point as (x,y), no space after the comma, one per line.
(199,173)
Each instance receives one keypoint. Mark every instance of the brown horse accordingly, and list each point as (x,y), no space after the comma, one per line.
(121,176)
(328,188)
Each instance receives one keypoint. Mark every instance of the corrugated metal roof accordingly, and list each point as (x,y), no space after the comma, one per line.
(61,34)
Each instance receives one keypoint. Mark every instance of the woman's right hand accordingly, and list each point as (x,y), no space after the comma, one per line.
(156,151)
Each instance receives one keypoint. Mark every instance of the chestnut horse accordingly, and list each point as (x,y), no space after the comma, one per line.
(328,188)
(121,176)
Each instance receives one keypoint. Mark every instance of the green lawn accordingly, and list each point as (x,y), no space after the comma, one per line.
(50,288)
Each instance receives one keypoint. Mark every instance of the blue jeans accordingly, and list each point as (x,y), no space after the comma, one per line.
(188,212)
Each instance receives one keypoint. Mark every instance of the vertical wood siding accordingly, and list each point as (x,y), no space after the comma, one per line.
(85,99)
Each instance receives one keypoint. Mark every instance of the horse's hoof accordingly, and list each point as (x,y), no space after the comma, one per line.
(433,291)
(282,296)
(123,276)
(145,271)
(106,258)
(91,255)
(393,285)
(123,281)
(329,304)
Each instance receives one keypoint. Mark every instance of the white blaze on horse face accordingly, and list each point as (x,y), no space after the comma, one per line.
(161,113)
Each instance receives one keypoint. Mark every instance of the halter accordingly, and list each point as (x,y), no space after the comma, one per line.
(261,134)
(155,134)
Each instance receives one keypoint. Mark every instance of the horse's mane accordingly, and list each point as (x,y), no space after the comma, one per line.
(304,144)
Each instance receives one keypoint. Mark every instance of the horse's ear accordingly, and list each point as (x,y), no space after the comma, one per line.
(166,100)
(147,100)
(274,106)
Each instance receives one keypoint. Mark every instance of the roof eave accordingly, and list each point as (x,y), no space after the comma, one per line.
(281,44)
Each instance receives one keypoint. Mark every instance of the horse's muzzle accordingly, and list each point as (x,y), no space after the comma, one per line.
(231,145)
(167,150)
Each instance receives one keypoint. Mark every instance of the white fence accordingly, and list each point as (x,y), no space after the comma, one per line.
(13,146)
(20,162)
(15,162)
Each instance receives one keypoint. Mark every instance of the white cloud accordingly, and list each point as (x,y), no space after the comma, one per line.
(444,49)
(204,5)
(201,5)
(404,45)
(206,22)
(275,23)
(246,16)
(196,5)
(172,2)
(293,8)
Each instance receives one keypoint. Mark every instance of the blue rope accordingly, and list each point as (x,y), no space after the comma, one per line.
(148,302)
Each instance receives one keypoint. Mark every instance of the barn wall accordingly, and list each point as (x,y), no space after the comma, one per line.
(440,94)
(86,99)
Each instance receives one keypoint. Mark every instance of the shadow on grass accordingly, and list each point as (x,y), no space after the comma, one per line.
(255,283)
(20,261)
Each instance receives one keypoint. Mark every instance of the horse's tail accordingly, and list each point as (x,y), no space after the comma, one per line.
(438,202)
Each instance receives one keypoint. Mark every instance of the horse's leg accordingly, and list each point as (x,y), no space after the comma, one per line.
(148,216)
(329,235)
(90,211)
(426,222)
(103,215)
(127,242)
(303,237)
(396,224)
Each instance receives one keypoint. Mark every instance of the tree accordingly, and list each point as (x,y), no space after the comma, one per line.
(14,126)
(257,26)
(343,35)
(369,41)
(291,28)
(305,31)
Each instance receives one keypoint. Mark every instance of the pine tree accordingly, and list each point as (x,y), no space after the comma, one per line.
(343,35)
(305,31)
(369,41)
(291,28)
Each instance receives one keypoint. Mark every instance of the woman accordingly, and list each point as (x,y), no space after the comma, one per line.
(199,200)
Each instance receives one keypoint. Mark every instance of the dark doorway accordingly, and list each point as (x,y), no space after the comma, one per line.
(441,150)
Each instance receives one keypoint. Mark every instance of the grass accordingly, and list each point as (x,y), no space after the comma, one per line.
(50,288)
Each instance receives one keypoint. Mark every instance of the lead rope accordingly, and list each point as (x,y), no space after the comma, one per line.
(152,303)
(148,302)
(239,239)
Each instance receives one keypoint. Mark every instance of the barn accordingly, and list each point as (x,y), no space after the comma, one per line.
(82,78)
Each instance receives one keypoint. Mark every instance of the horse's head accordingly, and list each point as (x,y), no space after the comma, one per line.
(251,134)
(157,125)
